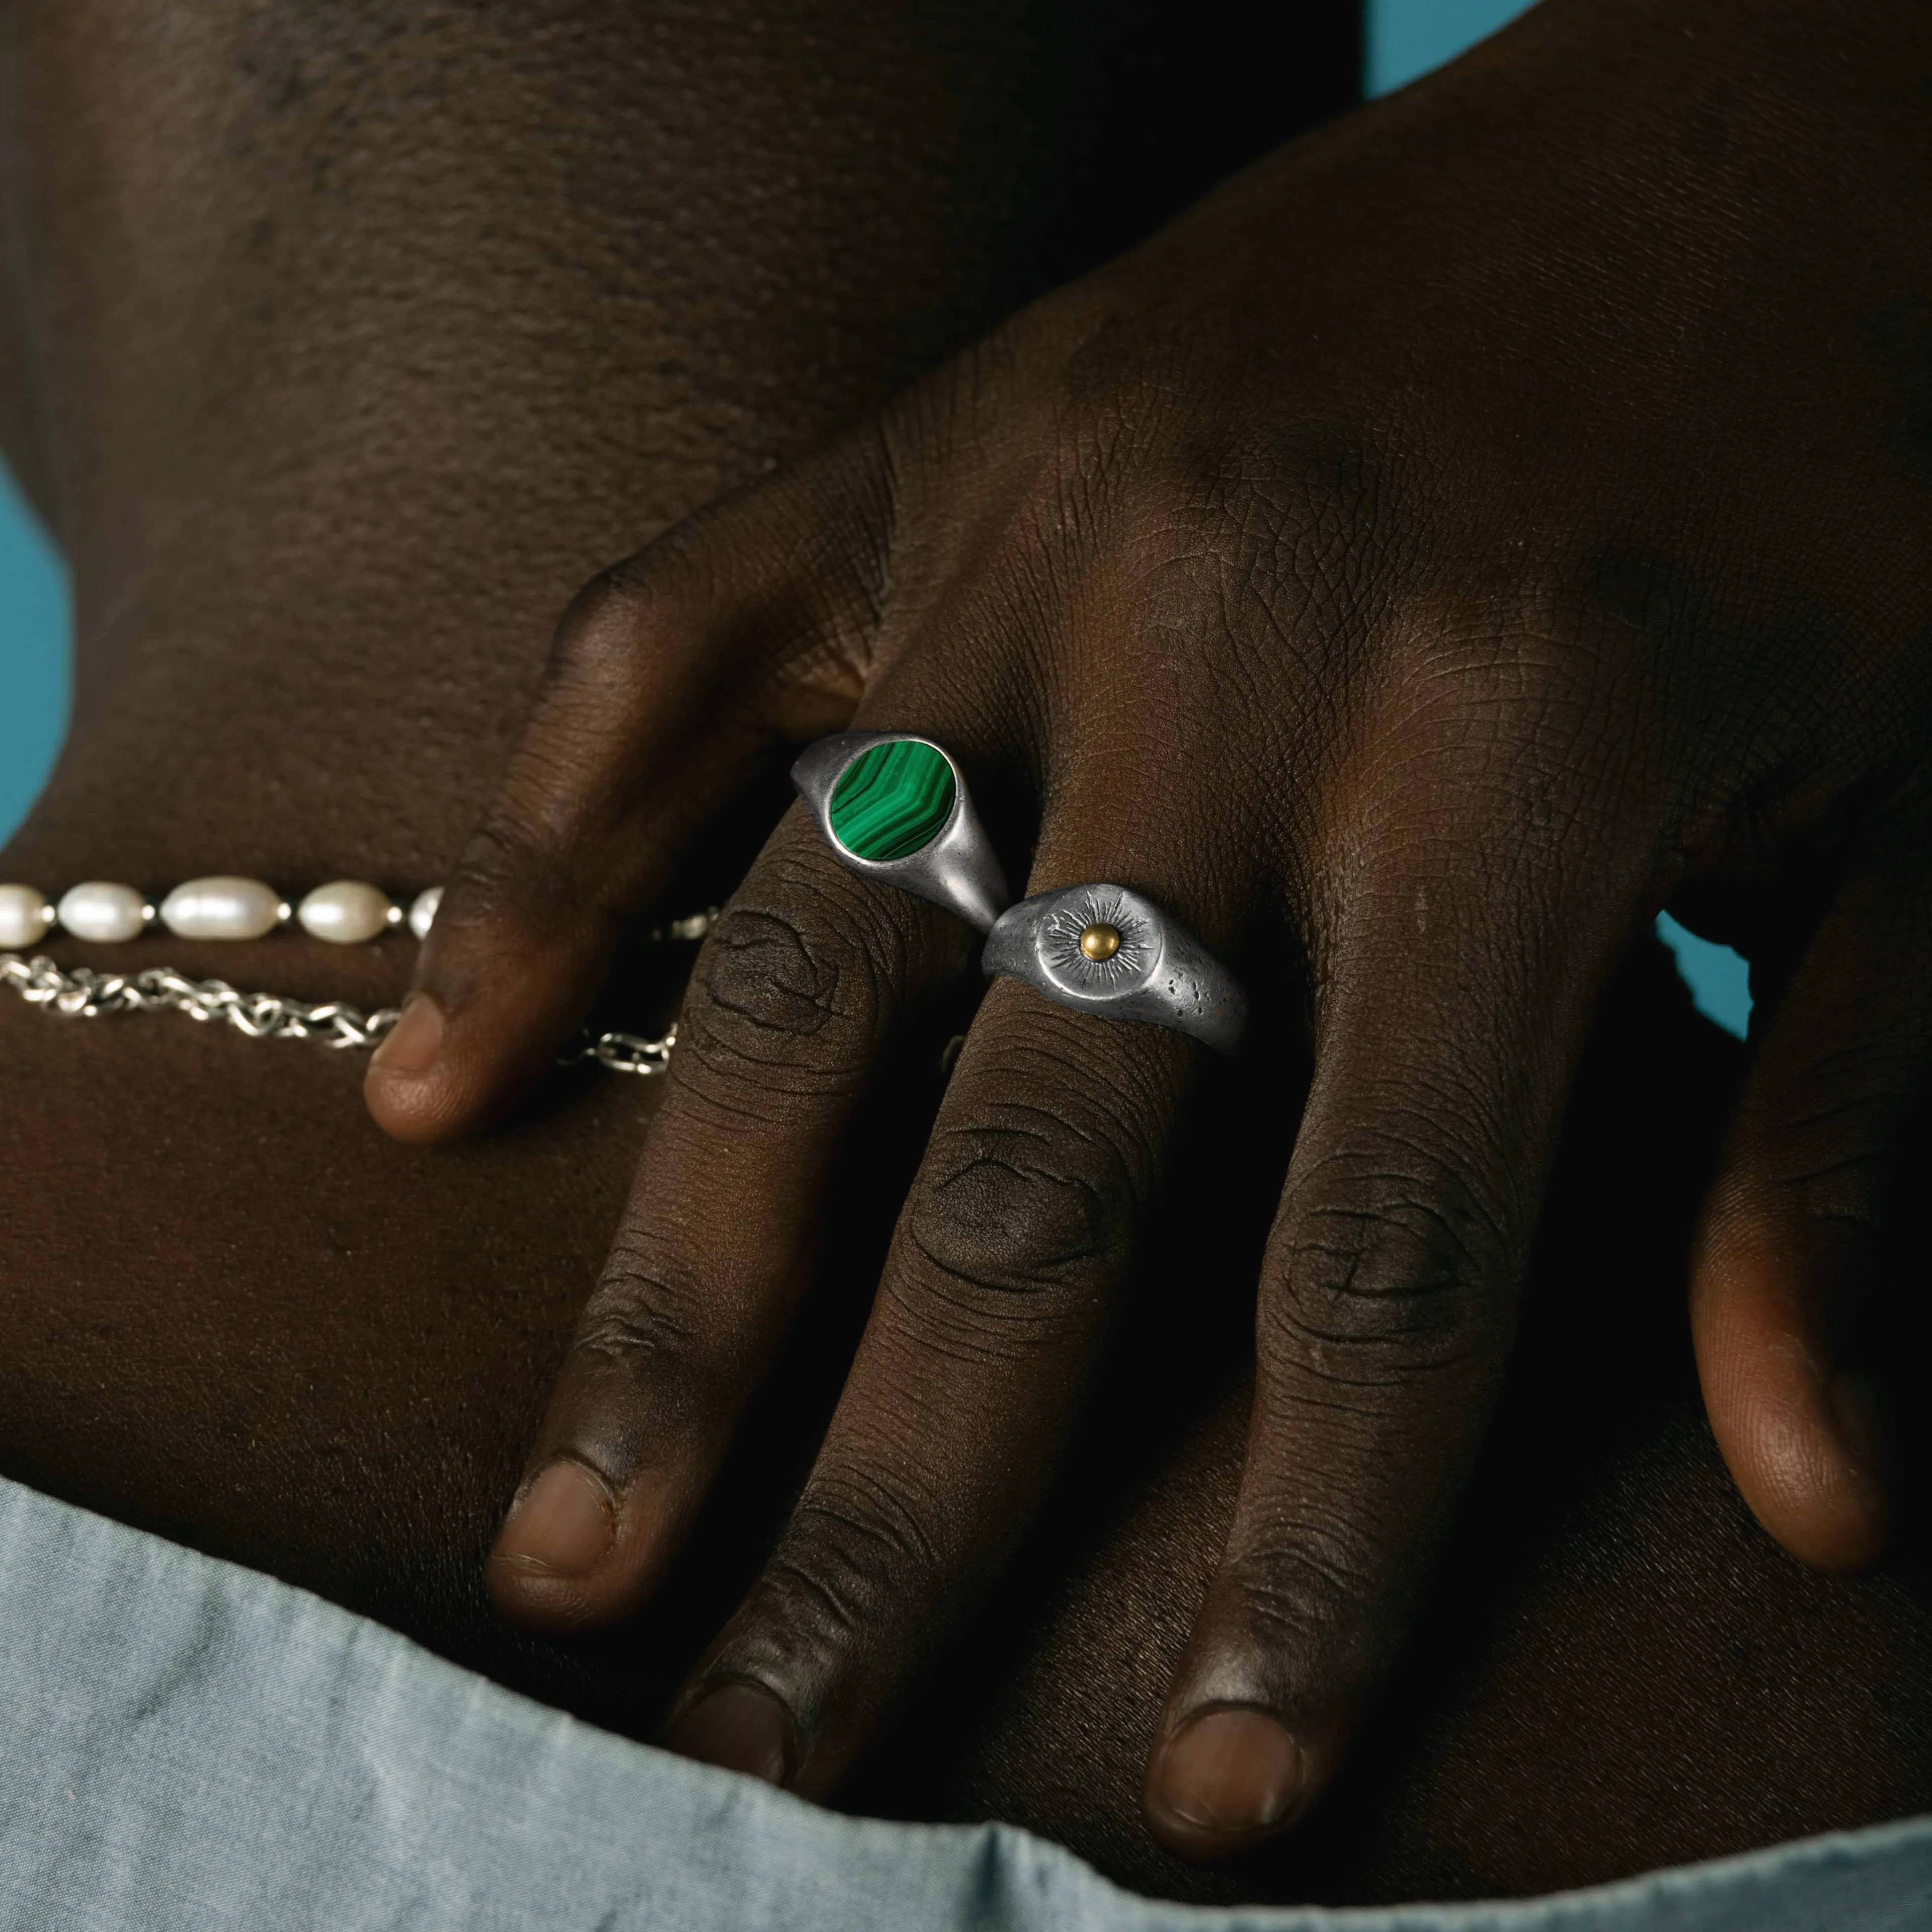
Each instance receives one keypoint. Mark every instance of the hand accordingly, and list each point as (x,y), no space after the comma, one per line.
(1460,536)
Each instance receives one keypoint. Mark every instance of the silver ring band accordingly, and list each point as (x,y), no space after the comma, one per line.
(1104,950)
(904,818)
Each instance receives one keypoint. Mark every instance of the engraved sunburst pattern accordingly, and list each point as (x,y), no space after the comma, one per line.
(1126,968)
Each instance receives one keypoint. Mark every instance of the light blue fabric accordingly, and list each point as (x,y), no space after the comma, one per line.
(190,1745)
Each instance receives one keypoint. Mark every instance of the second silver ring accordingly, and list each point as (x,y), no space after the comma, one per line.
(1112,953)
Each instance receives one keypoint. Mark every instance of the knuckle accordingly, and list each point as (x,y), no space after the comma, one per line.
(764,974)
(645,1334)
(606,628)
(1385,1279)
(603,614)
(790,991)
(1316,1600)
(783,582)
(632,1335)
(856,1554)
(636,1318)
(1850,1192)
(1021,1209)
(1299,519)
(597,677)
(518,848)
(860,1523)
(529,864)
(493,857)
(1827,1147)
(1835,1168)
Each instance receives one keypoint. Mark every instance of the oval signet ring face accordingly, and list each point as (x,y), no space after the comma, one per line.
(1110,952)
(894,808)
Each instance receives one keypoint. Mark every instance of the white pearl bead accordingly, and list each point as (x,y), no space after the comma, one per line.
(222,908)
(346,912)
(98,909)
(422,914)
(25,916)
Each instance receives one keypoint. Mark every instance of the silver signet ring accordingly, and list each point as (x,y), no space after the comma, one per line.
(1104,950)
(895,809)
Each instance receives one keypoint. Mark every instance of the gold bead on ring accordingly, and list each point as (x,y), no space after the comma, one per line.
(1107,951)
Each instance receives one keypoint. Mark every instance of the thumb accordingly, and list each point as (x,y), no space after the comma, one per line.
(672,676)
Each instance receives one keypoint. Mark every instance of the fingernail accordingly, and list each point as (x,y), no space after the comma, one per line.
(1231,1771)
(1859,1412)
(564,1524)
(414,1041)
(741,1728)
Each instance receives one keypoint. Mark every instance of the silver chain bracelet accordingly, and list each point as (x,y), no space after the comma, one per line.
(79,992)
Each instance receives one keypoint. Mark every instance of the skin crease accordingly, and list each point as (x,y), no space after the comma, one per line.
(311,316)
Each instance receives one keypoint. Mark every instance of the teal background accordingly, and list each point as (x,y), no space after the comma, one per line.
(1405,38)
(33,656)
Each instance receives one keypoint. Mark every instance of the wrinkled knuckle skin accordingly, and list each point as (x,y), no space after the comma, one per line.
(1386,1285)
(1316,1607)
(641,1352)
(1831,1150)
(1014,1211)
(635,1322)
(763,975)
(855,1569)
(857,1525)
(494,856)
(1844,1190)
(799,983)
(786,1002)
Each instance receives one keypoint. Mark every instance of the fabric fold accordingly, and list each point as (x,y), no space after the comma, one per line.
(190,1744)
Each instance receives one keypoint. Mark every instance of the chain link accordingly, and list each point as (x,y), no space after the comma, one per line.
(79,992)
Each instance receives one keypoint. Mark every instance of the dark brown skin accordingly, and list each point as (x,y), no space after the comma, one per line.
(339,379)
(1464,533)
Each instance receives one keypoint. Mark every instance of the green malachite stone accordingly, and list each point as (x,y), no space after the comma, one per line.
(893,800)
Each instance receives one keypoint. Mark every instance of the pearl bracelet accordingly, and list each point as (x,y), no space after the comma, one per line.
(345,912)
